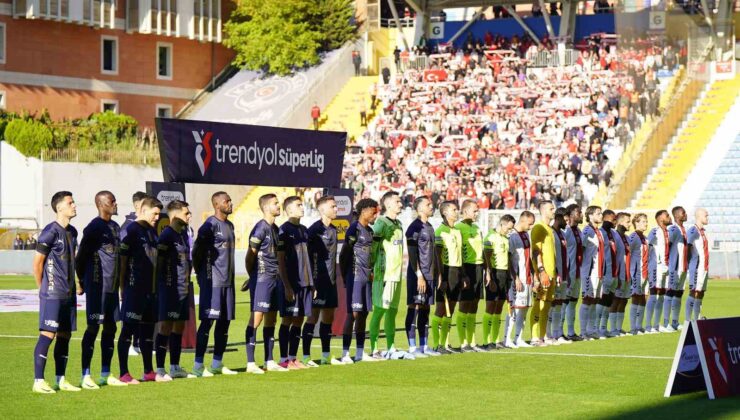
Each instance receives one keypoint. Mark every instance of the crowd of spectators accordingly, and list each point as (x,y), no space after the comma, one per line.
(479,122)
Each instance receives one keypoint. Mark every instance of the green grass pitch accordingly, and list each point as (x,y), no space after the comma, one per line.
(582,380)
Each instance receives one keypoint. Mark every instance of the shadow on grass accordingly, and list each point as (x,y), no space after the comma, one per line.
(689,406)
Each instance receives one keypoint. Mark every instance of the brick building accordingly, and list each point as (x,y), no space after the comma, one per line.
(144,58)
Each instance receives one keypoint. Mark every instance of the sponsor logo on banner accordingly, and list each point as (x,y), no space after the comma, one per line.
(344,205)
(220,153)
(166,197)
(657,20)
(716,345)
(723,67)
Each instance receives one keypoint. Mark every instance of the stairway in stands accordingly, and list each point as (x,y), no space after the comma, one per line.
(663,185)
(343,112)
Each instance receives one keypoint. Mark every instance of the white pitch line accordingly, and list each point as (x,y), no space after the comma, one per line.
(619,356)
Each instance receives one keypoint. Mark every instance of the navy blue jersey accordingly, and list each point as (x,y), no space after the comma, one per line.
(421,235)
(59,245)
(216,241)
(360,238)
(265,238)
(140,246)
(322,250)
(129,218)
(97,258)
(173,248)
(295,242)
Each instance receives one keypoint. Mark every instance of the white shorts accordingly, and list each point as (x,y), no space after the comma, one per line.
(609,284)
(624,291)
(699,284)
(592,287)
(561,292)
(573,290)
(676,281)
(519,300)
(661,278)
(639,287)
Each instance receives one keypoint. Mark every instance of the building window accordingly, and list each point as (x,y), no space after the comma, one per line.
(2,99)
(2,43)
(109,54)
(164,111)
(99,13)
(109,105)
(207,15)
(163,14)
(132,15)
(164,61)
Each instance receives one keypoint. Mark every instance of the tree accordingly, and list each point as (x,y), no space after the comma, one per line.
(280,36)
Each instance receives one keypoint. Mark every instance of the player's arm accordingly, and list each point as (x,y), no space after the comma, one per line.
(163,247)
(414,263)
(38,267)
(202,245)
(347,253)
(84,251)
(126,245)
(283,270)
(378,232)
(539,235)
(488,257)
(255,241)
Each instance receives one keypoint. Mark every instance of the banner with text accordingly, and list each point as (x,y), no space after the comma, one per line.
(707,358)
(207,152)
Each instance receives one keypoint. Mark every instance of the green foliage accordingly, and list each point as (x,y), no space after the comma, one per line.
(279,36)
(102,131)
(29,136)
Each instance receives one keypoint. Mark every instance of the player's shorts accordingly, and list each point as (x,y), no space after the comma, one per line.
(139,308)
(217,303)
(591,287)
(661,278)
(359,295)
(520,300)
(174,309)
(502,280)
(300,306)
(474,273)
(58,315)
(639,287)
(264,295)
(386,295)
(609,284)
(413,297)
(102,307)
(561,292)
(573,290)
(624,290)
(698,283)
(676,281)
(326,296)
(451,276)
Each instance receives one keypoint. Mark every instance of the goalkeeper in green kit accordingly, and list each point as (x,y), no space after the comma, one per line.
(387,252)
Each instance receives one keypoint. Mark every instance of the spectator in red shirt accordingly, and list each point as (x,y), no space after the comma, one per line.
(315,115)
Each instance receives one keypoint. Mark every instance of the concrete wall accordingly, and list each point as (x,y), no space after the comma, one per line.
(20,181)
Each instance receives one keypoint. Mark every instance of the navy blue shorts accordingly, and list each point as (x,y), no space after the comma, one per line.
(217,303)
(264,295)
(101,307)
(413,297)
(359,295)
(58,315)
(326,296)
(139,308)
(173,308)
(300,306)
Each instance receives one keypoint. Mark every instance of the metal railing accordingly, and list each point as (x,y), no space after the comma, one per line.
(148,157)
